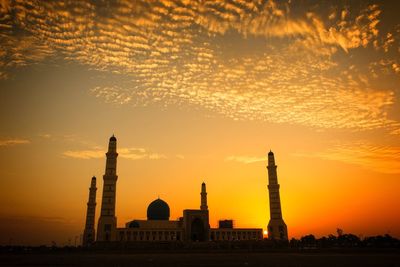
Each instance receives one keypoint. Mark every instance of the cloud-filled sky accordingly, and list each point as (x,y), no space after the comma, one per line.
(203,89)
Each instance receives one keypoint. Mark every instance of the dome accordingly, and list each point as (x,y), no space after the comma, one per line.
(158,210)
(112,138)
(270,153)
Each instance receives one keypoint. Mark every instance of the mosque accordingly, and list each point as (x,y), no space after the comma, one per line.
(192,226)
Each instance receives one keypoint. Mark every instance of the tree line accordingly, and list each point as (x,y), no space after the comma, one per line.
(345,240)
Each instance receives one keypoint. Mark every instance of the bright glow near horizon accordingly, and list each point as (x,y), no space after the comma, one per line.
(200,91)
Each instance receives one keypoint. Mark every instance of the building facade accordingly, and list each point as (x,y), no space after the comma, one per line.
(192,226)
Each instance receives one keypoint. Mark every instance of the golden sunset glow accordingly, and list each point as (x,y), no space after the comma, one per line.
(200,91)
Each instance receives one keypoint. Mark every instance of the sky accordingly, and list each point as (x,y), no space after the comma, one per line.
(200,91)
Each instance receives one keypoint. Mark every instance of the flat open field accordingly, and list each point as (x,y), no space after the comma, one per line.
(202,259)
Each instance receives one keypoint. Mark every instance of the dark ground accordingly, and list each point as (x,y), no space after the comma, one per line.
(295,259)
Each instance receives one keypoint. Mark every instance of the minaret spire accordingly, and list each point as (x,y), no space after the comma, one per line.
(203,197)
(276,227)
(89,232)
(106,230)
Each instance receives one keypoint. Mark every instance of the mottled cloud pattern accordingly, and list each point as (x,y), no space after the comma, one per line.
(281,62)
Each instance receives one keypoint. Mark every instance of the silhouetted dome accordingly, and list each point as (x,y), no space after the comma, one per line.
(112,138)
(270,153)
(158,210)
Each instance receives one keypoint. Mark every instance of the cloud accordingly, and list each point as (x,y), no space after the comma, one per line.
(139,153)
(127,153)
(13,142)
(85,154)
(395,131)
(179,156)
(246,159)
(45,136)
(274,61)
(112,94)
(379,158)
(156,156)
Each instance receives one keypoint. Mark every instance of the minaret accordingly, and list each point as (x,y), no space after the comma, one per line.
(106,230)
(89,232)
(203,197)
(276,227)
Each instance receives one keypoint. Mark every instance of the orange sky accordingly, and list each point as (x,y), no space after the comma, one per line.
(200,91)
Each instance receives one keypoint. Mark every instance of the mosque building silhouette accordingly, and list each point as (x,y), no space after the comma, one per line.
(192,226)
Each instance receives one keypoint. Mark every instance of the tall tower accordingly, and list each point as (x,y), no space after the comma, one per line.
(106,229)
(203,197)
(89,232)
(276,227)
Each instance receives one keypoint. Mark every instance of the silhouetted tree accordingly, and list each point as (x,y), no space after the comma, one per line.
(332,240)
(379,241)
(308,241)
(339,232)
(348,240)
